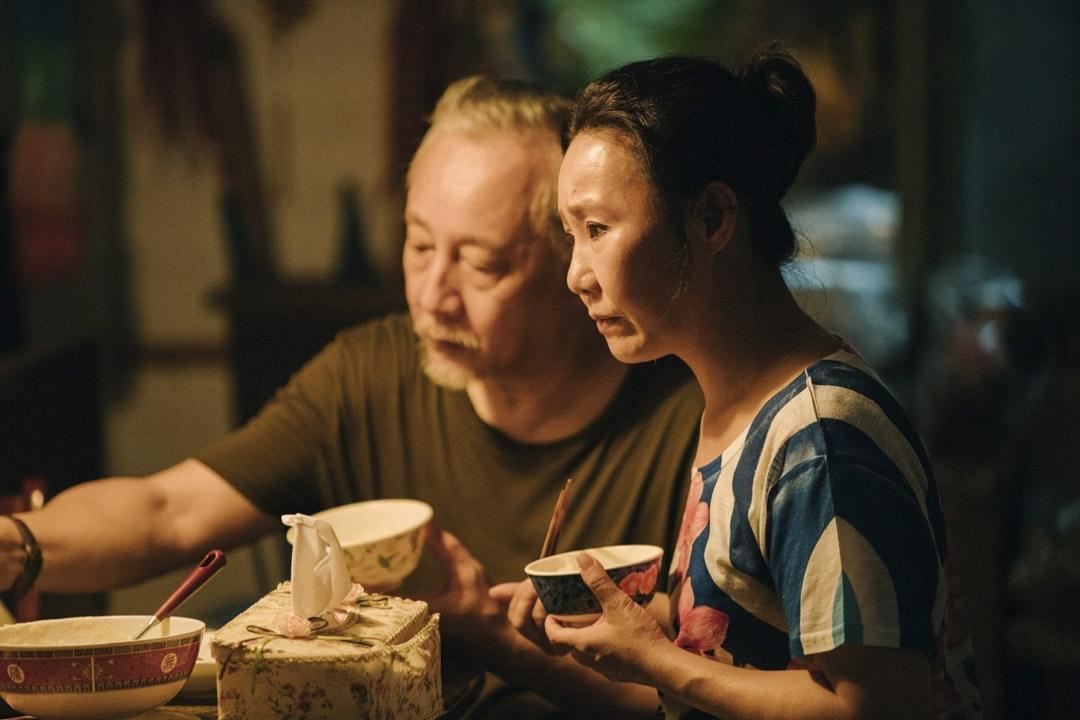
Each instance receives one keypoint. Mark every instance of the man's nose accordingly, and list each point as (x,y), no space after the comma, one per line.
(439,294)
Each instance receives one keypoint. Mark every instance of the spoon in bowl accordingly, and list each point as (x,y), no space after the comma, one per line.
(214,561)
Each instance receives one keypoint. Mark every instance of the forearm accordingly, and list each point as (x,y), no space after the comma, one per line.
(565,682)
(890,684)
(734,693)
(105,534)
(92,538)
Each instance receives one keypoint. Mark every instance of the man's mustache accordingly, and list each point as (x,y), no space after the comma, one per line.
(428,327)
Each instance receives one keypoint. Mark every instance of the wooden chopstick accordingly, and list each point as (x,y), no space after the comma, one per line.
(551,540)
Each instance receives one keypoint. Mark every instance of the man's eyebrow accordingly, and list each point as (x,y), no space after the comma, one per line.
(413,218)
(473,241)
(460,241)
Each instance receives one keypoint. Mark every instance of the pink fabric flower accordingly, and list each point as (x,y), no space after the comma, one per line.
(695,520)
(341,610)
(289,625)
(356,591)
(701,628)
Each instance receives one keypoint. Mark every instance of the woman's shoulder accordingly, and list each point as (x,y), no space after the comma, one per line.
(839,387)
(846,370)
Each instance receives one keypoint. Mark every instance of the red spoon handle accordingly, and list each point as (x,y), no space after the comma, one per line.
(214,561)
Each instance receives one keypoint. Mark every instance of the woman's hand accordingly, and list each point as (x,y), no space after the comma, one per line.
(620,643)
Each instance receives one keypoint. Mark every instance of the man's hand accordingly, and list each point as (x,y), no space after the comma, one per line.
(470,618)
(524,611)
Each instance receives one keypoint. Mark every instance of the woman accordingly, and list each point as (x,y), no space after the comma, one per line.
(811,577)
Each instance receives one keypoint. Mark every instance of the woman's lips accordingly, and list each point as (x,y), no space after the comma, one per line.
(605,322)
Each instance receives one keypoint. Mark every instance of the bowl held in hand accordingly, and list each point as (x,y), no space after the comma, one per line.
(564,594)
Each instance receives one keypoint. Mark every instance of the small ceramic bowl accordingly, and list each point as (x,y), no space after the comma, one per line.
(89,668)
(558,583)
(383,540)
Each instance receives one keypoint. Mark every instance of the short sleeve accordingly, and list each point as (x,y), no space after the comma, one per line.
(851,550)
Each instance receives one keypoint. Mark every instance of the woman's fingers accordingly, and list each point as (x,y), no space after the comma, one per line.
(602,586)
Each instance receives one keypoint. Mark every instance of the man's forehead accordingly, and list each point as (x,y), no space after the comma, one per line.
(514,159)
(480,191)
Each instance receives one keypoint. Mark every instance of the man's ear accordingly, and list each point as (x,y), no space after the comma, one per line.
(718,213)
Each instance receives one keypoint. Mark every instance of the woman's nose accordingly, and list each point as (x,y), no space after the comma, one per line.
(579,278)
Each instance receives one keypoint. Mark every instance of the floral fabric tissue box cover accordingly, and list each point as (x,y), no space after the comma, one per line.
(379,659)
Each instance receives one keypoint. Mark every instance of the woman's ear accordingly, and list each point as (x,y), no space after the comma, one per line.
(718,210)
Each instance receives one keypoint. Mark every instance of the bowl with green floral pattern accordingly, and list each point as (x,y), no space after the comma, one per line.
(383,539)
(564,594)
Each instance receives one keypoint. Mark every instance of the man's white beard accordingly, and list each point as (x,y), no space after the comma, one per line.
(442,372)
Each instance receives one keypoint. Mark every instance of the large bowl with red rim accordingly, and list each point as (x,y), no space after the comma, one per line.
(89,667)
(564,594)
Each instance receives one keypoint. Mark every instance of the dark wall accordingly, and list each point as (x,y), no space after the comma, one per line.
(1021,153)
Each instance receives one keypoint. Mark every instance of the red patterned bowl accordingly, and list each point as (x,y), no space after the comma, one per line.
(89,668)
(557,579)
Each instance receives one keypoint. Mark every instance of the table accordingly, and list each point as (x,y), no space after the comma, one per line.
(461,686)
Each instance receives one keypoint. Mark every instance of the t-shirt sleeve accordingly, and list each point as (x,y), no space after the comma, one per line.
(851,550)
(290,457)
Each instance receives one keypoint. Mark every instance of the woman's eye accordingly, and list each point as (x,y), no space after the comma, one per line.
(594,229)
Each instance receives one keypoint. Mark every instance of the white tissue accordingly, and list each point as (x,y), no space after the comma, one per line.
(320,575)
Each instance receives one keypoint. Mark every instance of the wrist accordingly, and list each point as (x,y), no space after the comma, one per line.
(27,545)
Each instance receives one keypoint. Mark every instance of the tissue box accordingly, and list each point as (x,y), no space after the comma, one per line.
(329,675)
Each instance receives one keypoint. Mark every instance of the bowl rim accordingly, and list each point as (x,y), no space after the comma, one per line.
(197,626)
(640,553)
(426,512)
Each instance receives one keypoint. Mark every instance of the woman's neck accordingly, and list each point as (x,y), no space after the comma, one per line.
(757,344)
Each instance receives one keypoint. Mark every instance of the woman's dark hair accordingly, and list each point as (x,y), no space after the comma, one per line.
(692,121)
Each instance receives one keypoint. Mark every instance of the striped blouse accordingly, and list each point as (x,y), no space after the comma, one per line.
(820,526)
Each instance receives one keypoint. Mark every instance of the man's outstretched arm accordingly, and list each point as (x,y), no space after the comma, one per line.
(105,534)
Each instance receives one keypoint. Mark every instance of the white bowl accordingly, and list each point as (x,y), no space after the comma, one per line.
(383,540)
(88,668)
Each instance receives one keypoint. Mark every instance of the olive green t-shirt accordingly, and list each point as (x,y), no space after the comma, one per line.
(361,421)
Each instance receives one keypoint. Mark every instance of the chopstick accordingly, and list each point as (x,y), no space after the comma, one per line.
(551,540)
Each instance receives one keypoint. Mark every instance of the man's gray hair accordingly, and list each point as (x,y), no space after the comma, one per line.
(480,106)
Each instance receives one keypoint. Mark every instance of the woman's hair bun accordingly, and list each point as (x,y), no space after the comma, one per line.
(777,83)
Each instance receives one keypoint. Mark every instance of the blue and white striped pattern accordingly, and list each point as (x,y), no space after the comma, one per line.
(823,529)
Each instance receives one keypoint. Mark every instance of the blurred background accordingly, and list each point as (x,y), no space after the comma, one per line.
(196,194)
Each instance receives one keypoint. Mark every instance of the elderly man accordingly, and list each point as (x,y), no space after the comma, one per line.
(482,402)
